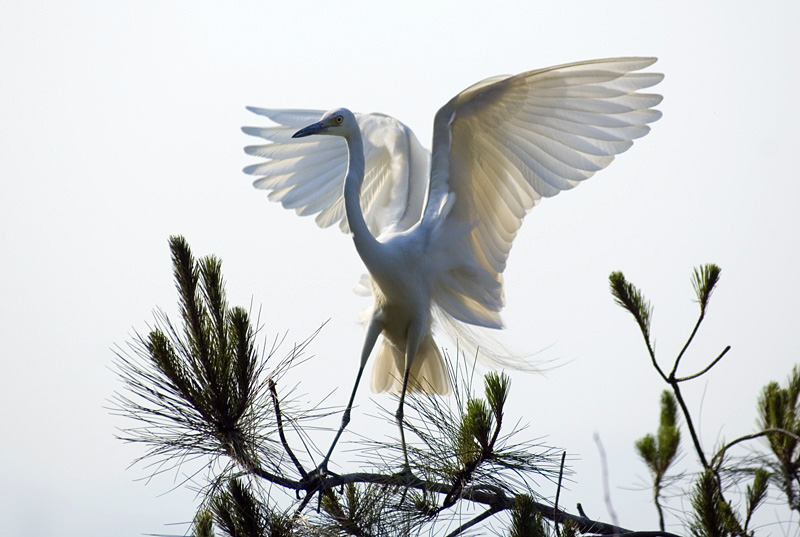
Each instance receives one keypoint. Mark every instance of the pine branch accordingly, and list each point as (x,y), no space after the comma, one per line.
(201,389)
(629,297)
(473,494)
(279,420)
(707,368)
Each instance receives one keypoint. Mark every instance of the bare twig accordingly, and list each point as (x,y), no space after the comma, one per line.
(652,353)
(717,459)
(712,364)
(689,424)
(558,489)
(686,345)
(480,518)
(606,490)
(274,393)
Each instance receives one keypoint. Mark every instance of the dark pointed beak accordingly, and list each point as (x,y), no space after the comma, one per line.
(314,128)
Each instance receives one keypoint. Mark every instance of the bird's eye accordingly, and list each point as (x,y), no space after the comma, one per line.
(339,120)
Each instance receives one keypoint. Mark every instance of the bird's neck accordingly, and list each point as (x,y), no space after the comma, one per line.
(367,246)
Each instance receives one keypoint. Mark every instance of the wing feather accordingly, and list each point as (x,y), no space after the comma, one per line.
(503,144)
(301,194)
(285,151)
(273,134)
(508,181)
(291,165)
(582,130)
(583,117)
(289,180)
(294,118)
(589,145)
(307,175)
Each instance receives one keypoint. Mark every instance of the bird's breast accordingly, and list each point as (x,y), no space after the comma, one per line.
(402,296)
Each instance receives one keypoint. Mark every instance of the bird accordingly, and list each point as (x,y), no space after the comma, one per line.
(434,229)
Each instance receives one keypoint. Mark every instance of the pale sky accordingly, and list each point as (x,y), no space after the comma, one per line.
(120,126)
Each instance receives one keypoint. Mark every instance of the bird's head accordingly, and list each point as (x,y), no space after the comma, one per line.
(338,122)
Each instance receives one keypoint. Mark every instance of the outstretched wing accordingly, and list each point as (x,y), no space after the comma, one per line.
(504,143)
(307,174)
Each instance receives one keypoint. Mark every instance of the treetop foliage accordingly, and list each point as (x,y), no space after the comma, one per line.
(203,390)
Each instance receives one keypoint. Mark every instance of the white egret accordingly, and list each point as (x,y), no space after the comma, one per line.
(435,229)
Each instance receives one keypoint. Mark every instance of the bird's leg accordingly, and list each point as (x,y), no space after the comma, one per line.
(406,471)
(373,331)
(413,339)
(399,417)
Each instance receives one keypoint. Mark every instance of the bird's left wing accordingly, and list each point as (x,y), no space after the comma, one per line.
(307,174)
(506,142)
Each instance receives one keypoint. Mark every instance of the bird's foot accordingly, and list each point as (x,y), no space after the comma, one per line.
(405,473)
(408,479)
(313,480)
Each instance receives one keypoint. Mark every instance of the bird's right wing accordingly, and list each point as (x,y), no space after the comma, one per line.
(506,142)
(307,174)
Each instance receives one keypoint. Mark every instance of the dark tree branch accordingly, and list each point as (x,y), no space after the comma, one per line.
(274,393)
(717,459)
(686,346)
(712,364)
(558,488)
(490,496)
(689,424)
(478,519)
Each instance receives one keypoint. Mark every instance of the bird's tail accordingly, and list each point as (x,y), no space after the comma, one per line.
(428,372)
(481,343)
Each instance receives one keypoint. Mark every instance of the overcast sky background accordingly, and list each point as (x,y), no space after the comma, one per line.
(119,126)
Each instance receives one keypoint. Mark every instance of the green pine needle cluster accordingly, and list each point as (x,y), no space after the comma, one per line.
(474,431)
(198,388)
(631,298)
(713,517)
(478,429)
(526,519)
(779,409)
(239,513)
(203,525)
(704,279)
(215,374)
(756,494)
(481,453)
(481,422)
(659,452)
(360,510)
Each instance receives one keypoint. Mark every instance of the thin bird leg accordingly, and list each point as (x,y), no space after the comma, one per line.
(399,417)
(373,331)
(406,471)
(413,339)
